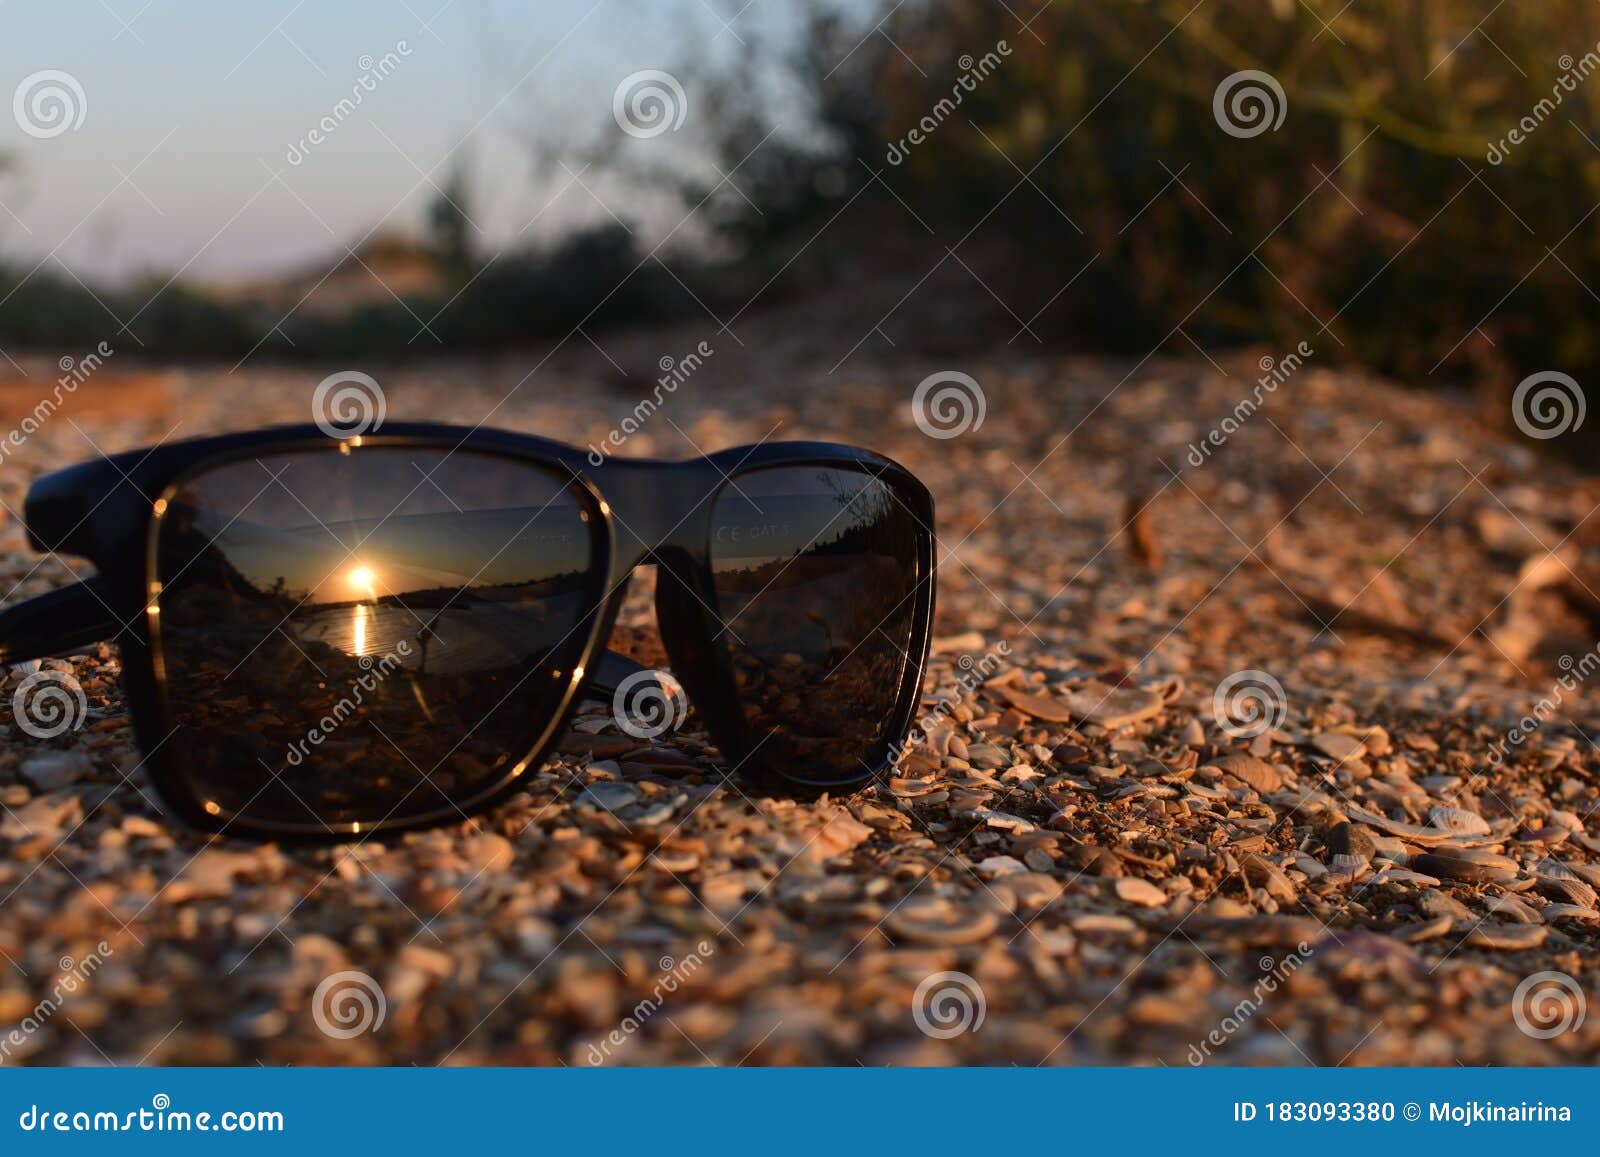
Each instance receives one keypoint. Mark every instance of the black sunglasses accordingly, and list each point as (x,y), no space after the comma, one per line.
(338,635)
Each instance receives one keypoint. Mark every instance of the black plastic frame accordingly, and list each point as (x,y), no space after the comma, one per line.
(646,511)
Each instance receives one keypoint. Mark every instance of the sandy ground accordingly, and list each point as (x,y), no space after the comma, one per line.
(1092,857)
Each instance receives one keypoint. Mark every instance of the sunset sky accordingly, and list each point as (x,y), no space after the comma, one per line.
(191,107)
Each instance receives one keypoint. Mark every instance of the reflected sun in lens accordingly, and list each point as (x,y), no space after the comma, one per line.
(363,578)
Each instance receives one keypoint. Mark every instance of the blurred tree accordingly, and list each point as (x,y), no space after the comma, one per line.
(1377,194)
(1425,204)
(450,225)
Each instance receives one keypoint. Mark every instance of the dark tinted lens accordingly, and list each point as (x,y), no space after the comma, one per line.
(349,637)
(816,575)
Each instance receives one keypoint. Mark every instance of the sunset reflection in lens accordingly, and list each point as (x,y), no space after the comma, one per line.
(353,637)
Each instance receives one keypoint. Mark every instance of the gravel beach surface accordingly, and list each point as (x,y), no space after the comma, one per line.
(1272,751)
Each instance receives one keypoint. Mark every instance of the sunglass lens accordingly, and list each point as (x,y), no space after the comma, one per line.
(354,636)
(817,573)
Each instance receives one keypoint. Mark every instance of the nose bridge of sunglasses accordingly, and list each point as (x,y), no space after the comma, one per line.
(657,506)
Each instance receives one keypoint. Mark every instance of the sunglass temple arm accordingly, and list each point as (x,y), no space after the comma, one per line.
(69,619)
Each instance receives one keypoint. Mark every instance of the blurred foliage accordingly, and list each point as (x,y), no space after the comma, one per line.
(1373,209)
(1092,151)
(766,181)
(594,277)
(50,311)
(450,224)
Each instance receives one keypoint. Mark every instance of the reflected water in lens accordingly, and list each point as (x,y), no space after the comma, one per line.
(816,573)
(350,636)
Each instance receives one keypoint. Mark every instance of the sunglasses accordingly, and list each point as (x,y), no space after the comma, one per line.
(328,636)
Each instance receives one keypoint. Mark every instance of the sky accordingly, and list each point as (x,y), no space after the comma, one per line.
(192,152)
